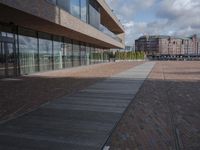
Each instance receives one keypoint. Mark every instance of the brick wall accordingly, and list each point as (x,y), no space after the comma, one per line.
(166,45)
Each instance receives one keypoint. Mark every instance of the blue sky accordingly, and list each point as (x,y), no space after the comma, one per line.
(164,17)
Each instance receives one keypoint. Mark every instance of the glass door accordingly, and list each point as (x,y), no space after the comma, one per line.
(83,55)
(2,61)
(7,60)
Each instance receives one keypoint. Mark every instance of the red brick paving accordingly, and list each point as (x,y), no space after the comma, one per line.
(171,88)
(28,92)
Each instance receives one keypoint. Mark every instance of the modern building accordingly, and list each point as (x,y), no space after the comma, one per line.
(127,48)
(168,46)
(43,35)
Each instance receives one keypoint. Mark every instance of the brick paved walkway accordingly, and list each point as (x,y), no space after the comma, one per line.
(82,121)
(25,93)
(165,112)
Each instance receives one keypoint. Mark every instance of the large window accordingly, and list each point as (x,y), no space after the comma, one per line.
(8,61)
(52,1)
(28,51)
(96,56)
(87,55)
(83,54)
(2,59)
(76,53)
(57,52)
(84,8)
(67,53)
(94,15)
(75,8)
(65,4)
(31,51)
(45,52)
(105,56)
(100,55)
(92,55)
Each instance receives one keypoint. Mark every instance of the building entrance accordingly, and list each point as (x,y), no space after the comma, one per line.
(7,57)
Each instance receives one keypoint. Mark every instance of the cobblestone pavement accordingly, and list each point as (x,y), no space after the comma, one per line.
(26,93)
(165,114)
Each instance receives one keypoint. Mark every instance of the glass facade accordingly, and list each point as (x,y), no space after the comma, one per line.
(67,53)
(87,11)
(28,51)
(64,4)
(87,55)
(52,1)
(75,8)
(94,15)
(45,52)
(76,54)
(83,54)
(57,52)
(24,51)
(2,61)
(84,10)
(92,57)
(8,58)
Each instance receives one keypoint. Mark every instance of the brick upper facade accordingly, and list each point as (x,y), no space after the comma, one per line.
(168,45)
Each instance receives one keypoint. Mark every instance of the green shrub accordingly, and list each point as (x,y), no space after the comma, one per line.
(127,55)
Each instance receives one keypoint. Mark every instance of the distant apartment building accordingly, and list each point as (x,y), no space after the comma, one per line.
(168,45)
(44,35)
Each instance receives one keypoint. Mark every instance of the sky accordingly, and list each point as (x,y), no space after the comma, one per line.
(157,17)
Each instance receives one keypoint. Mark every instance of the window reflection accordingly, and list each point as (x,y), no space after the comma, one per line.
(65,4)
(2,60)
(67,53)
(37,51)
(75,8)
(28,52)
(86,10)
(84,4)
(57,52)
(83,54)
(45,52)
(76,54)
(94,15)
(87,55)
(105,56)
(92,55)
(52,1)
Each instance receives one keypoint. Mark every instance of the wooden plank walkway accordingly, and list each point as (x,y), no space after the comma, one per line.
(82,121)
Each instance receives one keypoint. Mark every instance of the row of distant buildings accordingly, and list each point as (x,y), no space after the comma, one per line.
(168,45)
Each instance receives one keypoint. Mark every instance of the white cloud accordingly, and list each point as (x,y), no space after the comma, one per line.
(186,4)
(128,8)
(172,17)
(182,15)
(129,24)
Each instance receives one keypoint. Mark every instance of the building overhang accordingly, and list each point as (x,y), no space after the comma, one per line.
(45,17)
(108,19)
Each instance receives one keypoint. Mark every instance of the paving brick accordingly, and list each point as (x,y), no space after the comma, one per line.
(80,121)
